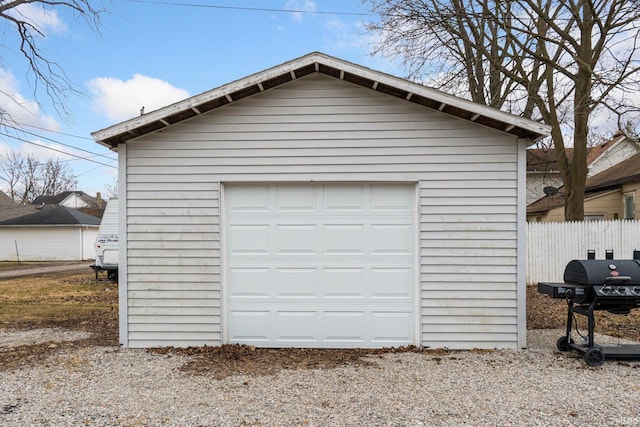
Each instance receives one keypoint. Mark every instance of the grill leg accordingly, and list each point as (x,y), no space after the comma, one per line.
(592,323)
(569,318)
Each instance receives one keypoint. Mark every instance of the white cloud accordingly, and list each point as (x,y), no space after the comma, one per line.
(302,6)
(20,109)
(45,20)
(120,100)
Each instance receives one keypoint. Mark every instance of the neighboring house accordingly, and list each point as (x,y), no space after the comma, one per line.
(611,194)
(542,168)
(79,200)
(48,233)
(322,204)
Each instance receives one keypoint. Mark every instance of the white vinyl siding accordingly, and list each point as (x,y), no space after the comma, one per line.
(320,129)
(48,243)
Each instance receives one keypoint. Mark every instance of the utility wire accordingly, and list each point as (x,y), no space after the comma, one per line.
(54,149)
(52,131)
(58,142)
(252,9)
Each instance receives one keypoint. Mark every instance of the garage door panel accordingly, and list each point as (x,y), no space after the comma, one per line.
(295,198)
(249,282)
(391,283)
(344,282)
(344,326)
(396,239)
(248,239)
(296,239)
(296,282)
(391,326)
(254,198)
(343,198)
(344,239)
(320,265)
(253,326)
(300,326)
(391,197)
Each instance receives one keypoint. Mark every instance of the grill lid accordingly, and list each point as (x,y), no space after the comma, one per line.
(594,272)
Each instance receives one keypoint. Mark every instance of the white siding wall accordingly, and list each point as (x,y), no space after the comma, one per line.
(323,130)
(47,243)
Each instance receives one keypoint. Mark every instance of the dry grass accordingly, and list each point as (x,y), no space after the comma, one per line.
(75,300)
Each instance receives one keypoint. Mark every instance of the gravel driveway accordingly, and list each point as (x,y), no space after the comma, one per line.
(106,386)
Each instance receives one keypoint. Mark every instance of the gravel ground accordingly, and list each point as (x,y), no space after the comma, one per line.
(107,386)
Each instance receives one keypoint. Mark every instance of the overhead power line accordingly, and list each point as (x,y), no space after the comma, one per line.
(53,131)
(251,9)
(55,149)
(58,142)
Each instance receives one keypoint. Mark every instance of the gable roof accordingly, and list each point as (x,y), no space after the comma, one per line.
(55,215)
(337,68)
(60,197)
(617,175)
(544,159)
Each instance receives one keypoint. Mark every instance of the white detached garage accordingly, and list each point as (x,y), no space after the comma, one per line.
(322,204)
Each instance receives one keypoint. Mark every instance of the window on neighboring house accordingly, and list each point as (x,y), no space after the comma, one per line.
(594,217)
(629,206)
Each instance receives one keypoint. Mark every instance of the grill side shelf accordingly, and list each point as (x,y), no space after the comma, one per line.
(560,290)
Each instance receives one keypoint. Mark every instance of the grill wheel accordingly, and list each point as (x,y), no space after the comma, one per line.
(594,357)
(563,344)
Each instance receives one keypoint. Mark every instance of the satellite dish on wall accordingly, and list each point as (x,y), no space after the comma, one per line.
(550,191)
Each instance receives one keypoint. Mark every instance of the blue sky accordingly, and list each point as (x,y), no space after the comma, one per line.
(152,53)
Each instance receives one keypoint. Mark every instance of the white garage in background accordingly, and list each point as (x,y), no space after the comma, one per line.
(322,204)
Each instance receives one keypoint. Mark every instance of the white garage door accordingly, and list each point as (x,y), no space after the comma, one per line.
(314,265)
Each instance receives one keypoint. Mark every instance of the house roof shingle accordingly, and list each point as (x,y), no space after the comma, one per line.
(52,215)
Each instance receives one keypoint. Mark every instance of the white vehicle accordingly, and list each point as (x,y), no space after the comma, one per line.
(107,241)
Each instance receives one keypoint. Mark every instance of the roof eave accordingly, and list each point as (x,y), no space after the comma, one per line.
(317,62)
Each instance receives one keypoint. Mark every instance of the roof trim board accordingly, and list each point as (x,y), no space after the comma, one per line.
(311,63)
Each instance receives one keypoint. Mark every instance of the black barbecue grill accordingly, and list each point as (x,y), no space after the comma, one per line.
(591,285)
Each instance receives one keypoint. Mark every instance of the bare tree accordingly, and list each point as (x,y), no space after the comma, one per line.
(551,60)
(46,75)
(25,178)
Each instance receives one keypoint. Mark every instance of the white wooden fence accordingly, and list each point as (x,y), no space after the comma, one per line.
(551,245)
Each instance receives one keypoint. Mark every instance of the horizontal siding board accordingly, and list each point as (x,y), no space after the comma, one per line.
(478,328)
(496,294)
(170,143)
(174,244)
(447,261)
(173,312)
(193,338)
(468,313)
(168,303)
(210,324)
(305,159)
(464,298)
(175,295)
(164,322)
(142,268)
(166,285)
(473,280)
(324,130)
